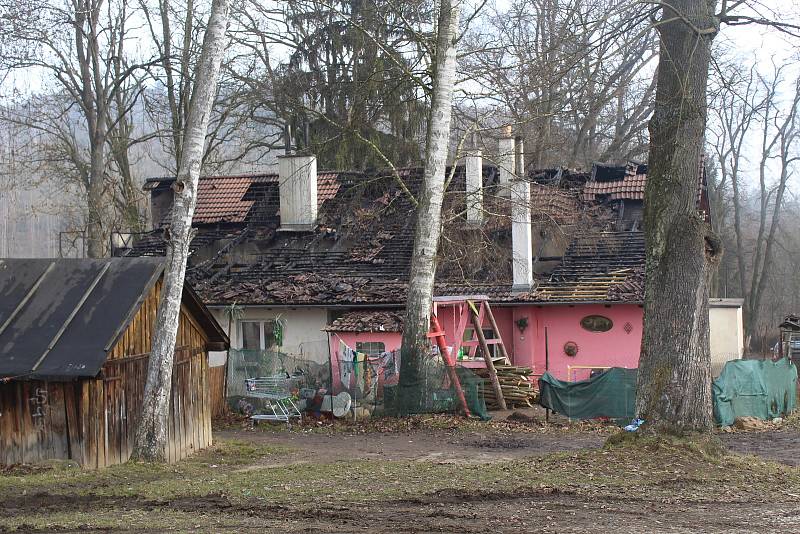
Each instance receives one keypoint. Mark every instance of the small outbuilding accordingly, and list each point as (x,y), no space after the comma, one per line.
(75,341)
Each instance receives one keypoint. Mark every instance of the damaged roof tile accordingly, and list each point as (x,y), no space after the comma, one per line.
(361,251)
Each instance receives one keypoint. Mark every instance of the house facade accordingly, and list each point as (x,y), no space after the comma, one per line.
(297,260)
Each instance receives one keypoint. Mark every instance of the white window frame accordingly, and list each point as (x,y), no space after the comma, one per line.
(261,332)
(371,353)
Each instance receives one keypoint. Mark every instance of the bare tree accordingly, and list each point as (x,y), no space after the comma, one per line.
(752,107)
(151,433)
(674,385)
(571,75)
(429,210)
(93,81)
(780,131)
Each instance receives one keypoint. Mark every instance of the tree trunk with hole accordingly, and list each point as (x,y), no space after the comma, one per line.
(429,213)
(151,433)
(674,386)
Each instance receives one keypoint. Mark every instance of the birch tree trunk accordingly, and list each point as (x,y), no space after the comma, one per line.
(674,385)
(151,433)
(429,210)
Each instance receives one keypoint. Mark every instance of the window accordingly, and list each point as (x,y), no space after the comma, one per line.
(257,335)
(370,348)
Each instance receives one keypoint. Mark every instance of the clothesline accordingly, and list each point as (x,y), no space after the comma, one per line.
(350,361)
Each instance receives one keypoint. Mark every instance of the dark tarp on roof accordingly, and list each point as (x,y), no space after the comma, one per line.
(59,317)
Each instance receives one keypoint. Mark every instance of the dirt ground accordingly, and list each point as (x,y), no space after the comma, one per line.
(433,476)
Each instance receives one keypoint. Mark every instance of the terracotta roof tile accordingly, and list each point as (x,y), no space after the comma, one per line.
(222,199)
(368,321)
(631,187)
(361,251)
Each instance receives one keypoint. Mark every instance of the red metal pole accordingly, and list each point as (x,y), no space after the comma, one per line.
(449,362)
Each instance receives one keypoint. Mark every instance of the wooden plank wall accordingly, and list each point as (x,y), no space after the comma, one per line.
(93,421)
(216,381)
(35,421)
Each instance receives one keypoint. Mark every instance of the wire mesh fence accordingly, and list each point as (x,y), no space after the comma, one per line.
(351,384)
(372,383)
(299,373)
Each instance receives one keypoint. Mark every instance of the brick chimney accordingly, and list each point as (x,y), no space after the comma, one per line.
(297,183)
(521,237)
(473,164)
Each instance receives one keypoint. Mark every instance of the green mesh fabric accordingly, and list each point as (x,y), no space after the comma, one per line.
(435,393)
(610,394)
(755,388)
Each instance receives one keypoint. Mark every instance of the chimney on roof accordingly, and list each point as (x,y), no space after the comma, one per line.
(521,235)
(297,187)
(505,159)
(473,164)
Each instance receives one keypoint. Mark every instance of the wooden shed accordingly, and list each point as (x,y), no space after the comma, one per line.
(75,338)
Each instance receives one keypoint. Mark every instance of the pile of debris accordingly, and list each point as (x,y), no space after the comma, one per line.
(517,389)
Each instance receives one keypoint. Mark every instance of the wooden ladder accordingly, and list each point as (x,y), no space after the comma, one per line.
(472,310)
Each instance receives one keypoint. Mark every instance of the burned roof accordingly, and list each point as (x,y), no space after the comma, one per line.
(791,322)
(613,182)
(361,249)
(60,317)
(629,187)
(606,266)
(368,321)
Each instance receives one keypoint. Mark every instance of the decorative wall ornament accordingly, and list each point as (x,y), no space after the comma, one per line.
(570,348)
(597,323)
(628,328)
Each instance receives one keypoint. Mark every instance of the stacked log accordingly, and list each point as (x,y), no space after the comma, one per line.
(518,390)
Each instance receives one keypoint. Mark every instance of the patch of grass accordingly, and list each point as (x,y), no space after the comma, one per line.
(124,519)
(707,446)
(222,487)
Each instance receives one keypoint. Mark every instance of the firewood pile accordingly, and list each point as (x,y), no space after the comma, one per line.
(518,391)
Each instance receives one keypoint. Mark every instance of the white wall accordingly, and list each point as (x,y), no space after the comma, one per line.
(302,337)
(726,332)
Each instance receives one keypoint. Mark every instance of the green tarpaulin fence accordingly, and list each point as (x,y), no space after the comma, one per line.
(755,388)
(610,394)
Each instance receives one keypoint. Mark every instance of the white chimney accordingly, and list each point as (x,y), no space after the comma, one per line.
(297,183)
(521,238)
(473,164)
(505,160)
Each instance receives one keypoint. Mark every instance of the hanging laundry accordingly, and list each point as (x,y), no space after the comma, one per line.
(390,365)
(346,356)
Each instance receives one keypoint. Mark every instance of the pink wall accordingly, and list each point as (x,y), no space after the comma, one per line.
(390,339)
(615,348)
(449,317)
